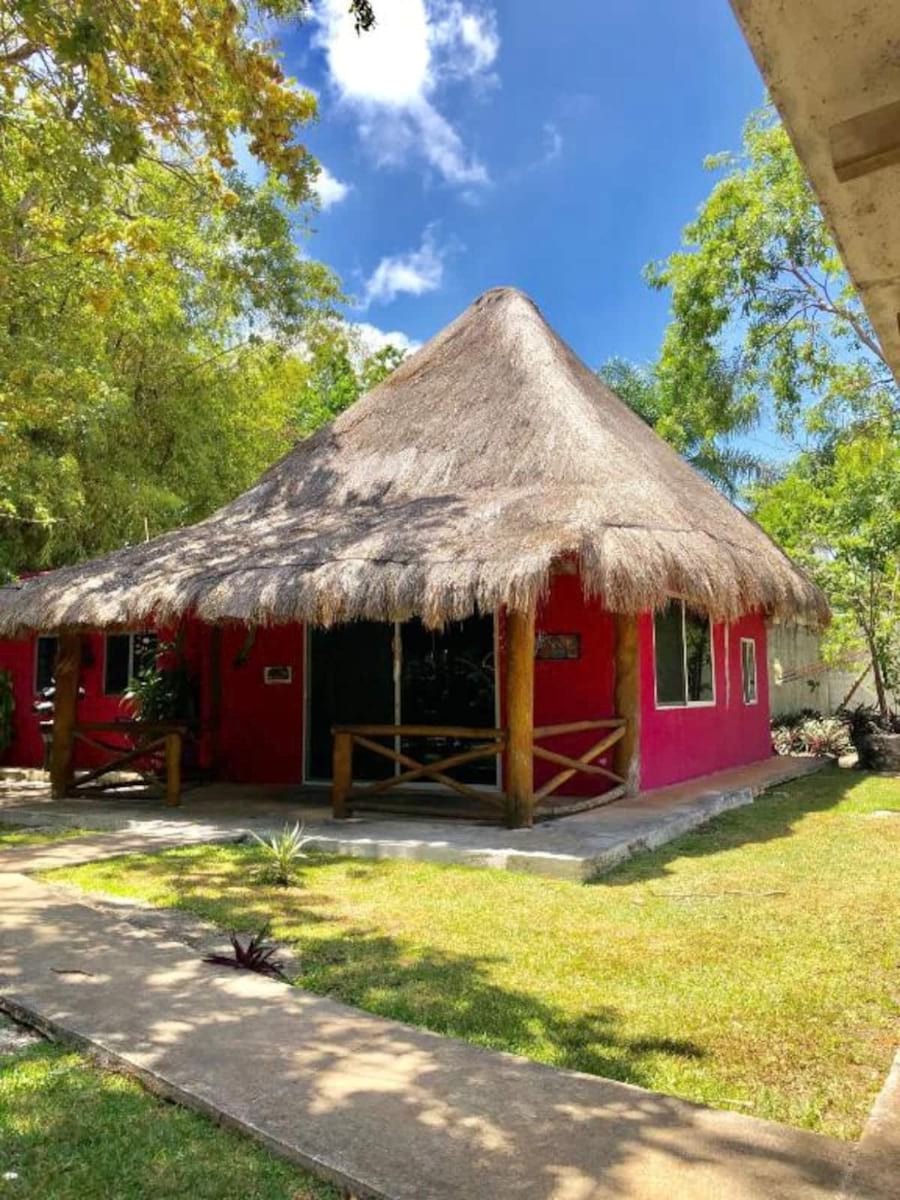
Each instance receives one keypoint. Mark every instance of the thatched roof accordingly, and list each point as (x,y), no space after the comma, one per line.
(486,457)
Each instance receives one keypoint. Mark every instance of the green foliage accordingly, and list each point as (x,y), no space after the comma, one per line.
(149,336)
(283,853)
(164,692)
(763,313)
(138,78)
(7,710)
(838,513)
(704,447)
(810,734)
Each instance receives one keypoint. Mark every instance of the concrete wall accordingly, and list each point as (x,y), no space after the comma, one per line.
(799,679)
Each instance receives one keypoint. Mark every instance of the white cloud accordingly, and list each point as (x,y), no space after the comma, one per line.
(553,143)
(329,189)
(390,75)
(414,273)
(372,339)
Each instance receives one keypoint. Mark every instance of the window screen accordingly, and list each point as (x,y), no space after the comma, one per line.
(748,670)
(698,657)
(45,663)
(669,644)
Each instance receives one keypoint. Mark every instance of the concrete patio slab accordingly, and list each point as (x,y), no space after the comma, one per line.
(581,846)
(386,1110)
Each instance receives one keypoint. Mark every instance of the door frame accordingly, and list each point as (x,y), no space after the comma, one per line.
(420,785)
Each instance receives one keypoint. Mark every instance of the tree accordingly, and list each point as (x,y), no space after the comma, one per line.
(148,331)
(142,78)
(336,371)
(760,298)
(839,514)
(703,444)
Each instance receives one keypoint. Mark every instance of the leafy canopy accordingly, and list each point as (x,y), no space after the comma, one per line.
(760,299)
(142,77)
(839,515)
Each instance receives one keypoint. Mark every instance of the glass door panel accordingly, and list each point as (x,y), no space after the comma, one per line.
(350,682)
(447,678)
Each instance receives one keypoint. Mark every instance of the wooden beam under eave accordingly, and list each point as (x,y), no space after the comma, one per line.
(627,754)
(866,143)
(520,717)
(65,704)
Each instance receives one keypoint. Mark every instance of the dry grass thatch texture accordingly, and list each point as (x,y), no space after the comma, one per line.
(489,455)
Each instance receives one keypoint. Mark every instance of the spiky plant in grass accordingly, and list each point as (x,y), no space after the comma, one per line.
(283,854)
(255,954)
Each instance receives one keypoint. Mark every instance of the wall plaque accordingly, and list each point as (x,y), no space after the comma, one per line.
(558,645)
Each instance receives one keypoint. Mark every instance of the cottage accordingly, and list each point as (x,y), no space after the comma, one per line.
(488,575)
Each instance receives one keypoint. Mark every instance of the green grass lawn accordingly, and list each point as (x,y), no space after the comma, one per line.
(752,964)
(25,835)
(69,1131)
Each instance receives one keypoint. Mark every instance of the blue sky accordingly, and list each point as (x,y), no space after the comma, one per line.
(559,148)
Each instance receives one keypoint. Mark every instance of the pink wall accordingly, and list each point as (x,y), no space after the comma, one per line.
(682,743)
(261,730)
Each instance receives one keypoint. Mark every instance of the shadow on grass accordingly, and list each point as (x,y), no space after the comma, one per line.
(772,815)
(454,995)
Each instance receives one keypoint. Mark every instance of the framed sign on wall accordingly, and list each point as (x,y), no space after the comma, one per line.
(558,645)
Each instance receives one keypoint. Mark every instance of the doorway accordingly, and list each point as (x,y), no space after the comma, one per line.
(376,673)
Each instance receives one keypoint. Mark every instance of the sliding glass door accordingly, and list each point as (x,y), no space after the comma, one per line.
(368,673)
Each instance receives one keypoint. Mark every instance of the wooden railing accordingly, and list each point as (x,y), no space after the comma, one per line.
(145,737)
(489,743)
(585,762)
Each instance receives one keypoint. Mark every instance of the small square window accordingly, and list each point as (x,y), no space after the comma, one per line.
(44,663)
(748,671)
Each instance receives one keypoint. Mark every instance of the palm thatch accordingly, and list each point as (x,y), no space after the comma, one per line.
(456,485)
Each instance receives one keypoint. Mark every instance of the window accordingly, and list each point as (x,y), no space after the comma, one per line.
(127,654)
(44,663)
(683,657)
(748,670)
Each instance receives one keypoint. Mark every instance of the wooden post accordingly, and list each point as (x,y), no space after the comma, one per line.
(520,717)
(342,774)
(65,704)
(215,699)
(627,754)
(173,769)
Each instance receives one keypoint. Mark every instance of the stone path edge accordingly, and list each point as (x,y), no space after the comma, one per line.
(109,1060)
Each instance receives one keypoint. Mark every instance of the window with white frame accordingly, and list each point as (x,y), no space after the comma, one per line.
(127,654)
(683,657)
(748,670)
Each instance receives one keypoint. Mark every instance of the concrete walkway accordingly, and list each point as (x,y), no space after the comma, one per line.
(581,846)
(384,1109)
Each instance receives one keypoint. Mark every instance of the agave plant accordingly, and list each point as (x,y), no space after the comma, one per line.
(283,854)
(255,954)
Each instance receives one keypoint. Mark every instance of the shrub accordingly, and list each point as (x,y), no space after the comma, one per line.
(808,732)
(256,954)
(7,710)
(283,854)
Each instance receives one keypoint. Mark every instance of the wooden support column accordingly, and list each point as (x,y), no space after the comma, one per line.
(173,769)
(520,717)
(215,699)
(341,773)
(65,704)
(627,754)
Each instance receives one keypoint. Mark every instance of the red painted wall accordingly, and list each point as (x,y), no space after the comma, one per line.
(261,731)
(261,739)
(682,743)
